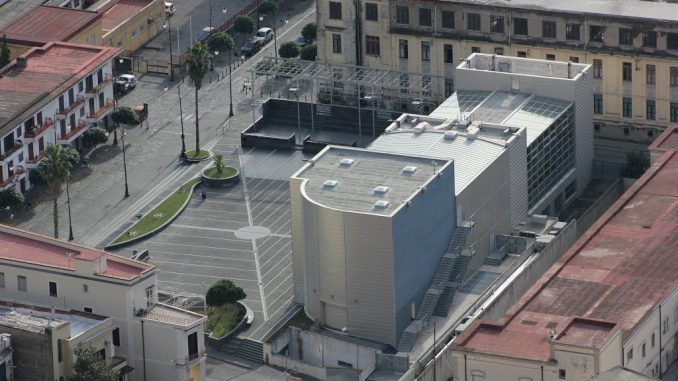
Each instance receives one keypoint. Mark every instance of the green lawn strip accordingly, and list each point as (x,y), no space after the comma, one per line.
(299,320)
(193,154)
(221,320)
(225,173)
(160,214)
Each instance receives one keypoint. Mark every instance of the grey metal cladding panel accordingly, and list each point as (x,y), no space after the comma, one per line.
(583,114)
(369,271)
(331,256)
(518,172)
(311,265)
(298,240)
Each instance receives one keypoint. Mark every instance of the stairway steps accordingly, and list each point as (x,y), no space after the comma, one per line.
(445,301)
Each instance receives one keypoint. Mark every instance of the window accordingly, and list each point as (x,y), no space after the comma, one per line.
(448,55)
(402,15)
(193,346)
(629,355)
(2,280)
(425,51)
(674,76)
(134,34)
(627,72)
(520,26)
(116,337)
(627,107)
(59,352)
(572,32)
(53,289)
(149,296)
(551,57)
(672,41)
(371,12)
(674,112)
(22,283)
(496,24)
(475,49)
(627,131)
(574,59)
(425,17)
(335,10)
(449,87)
(650,40)
(548,29)
(372,45)
(521,54)
(642,350)
(562,374)
(625,36)
(89,310)
(597,68)
(80,85)
(499,50)
(665,326)
(597,103)
(403,48)
(596,33)
(650,109)
(448,19)
(85,288)
(652,340)
(473,21)
(336,43)
(596,127)
(651,74)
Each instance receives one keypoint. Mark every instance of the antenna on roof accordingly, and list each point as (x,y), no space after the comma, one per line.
(552,334)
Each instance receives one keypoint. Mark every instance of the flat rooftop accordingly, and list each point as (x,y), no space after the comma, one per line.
(45,23)
(122,11)
(615,274)
(635,9)
(50,70)
(22,246)
(165,313)
(351,185)
(36,321)
(524,66)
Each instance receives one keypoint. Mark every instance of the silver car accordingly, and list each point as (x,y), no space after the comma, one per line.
(264,35)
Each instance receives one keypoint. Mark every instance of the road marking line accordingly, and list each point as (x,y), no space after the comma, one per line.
(199,265)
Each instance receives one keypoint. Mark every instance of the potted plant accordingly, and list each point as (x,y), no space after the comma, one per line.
(220,175)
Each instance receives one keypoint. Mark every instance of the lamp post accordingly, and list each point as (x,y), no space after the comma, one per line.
(230,86)
(124,161)
(295,91)
(372,99)
(275,34)
(68,201)
(169,35)
(181,118)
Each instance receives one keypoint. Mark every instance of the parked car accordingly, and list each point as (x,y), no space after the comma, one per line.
(250,48)
(264,35)
(205,32)
(301,41)
(125,82)
(169,9)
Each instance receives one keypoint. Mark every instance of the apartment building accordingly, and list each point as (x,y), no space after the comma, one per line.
(160,342)
(631,44)
(51,95)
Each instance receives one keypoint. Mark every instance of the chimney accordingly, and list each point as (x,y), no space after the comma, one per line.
(22,61)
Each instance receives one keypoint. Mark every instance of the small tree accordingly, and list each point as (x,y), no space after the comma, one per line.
(637,162)
(268,7)
(243,25)
(56,169)
(95,136)
(310,31)
(89,366)
(11,197)
(222,292)
(309,52)
(288,50)
(198,65)
(219,163)
(220,42)
(4,52)
(122,115)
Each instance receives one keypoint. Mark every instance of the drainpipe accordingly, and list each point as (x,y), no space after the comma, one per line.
(358,35)
(143,348)
(660,339)
(465,370)
(542,373)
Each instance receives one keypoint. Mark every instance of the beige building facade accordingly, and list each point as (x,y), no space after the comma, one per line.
(633,47)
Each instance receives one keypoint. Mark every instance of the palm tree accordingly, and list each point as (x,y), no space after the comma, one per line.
(219,163)
(55,168)
(198,65)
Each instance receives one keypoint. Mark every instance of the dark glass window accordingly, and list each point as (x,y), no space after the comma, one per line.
(371,12)
(448,19)
(402,15)
(520,26)
(596,33)
(496,24)
(335,10)
(425,17)
(625,36)
(473,21)
(572,32)
(548,29)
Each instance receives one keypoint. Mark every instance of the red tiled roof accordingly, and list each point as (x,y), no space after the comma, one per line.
(45,23)
(27,247)
(613,276)
(122,11)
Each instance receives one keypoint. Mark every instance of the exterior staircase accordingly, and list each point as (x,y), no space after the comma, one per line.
(496,257)
(245,348)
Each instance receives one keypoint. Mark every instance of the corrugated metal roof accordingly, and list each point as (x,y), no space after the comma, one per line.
(537,115)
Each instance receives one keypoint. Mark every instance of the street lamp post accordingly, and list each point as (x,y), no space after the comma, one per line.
(68,201)
(124,161)
(181,118)
(169,34)
(230,86)
(295,91)
(373,100)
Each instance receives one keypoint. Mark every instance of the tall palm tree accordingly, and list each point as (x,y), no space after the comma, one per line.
(55,168)
(198,61)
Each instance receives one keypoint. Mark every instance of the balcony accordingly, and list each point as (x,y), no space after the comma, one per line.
(101,112)
(62,113)
(73,133)
(33,161)
(18,174)
(35,132)
(91,91)
(9,153)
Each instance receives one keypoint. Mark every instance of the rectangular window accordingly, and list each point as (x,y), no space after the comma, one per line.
(372,45)
(496,24)
(642,350)
(673,75)
(596,33)
(448,19)
(89,310)
(80,85)
(674,112)
(520,26)
(425,51)
(475,49)
(672,41)
(193,346)
(651,110)
(651,74)
(2,280)
(625,36)
(336,43)
(629,355)
(499,50)
(627,72)
(473,21)
(652,340)
(597,68)
(562,374)
(551,57)
(371,12)
(627,107)
(665,326)
(650,40)
(21,283)
(425,17)
(53,289)
(448,55)
(548,29)
(335,10)
(402,15)
(150,300)
(449,87)
(116,337)
(574,59)
(403,49)
(597,103)
(521,54)
(572,32)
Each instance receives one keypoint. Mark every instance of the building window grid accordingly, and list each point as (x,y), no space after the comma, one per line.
(473,21)
(572,32)
(335,10)
(496,24)
(425,18)
(597,103)
(402,15)
(371,12)
(596,33)
(651,74)
(625,37)
(403,49)
(336,43)
(674,112)
(650,39)
(448,54)
(372,47)
(627,107)
(2,280)
(673,76)
(520,26)
(448,19)
(597,69)
(425,51)
(672,41)
(548,29)
(627,72)
(651,109)
(22,283)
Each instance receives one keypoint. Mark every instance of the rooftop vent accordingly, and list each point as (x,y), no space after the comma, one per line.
(409,170)
(330,183)
(381,189)
(450,135)
(381,204)
(346,162)
(421,127)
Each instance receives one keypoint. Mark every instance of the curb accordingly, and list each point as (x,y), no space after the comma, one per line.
(111,245)
(213,182)
(209,156)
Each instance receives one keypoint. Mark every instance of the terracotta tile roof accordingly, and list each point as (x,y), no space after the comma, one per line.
(45,23)
(612,277)
(31,248)
(122,11)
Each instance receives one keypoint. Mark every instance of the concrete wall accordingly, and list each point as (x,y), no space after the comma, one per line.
(32,354)
(137,30)
(601,205)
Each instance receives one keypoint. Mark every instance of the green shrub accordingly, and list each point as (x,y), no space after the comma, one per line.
(11,198)
(222,292)
(95,136)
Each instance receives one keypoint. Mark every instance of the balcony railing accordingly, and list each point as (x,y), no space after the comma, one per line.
(9,152)
(35,158)
(74,130)
(101,111)
(78,101)
(108,78)
(9,180)
(37,130)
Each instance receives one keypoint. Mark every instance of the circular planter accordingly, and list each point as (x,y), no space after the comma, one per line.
(244,322)
(199,159)
(219,182)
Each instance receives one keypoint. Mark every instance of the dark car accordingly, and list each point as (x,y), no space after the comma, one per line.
(250,48)
(301,41)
